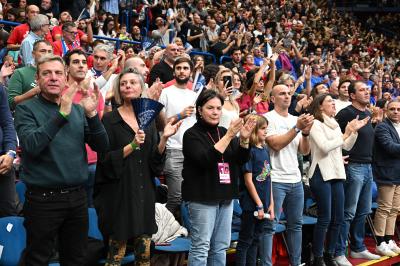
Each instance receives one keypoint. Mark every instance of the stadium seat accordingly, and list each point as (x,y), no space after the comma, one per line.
(12,240)
(20,187)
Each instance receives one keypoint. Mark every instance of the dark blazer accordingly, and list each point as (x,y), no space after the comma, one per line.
(386,158)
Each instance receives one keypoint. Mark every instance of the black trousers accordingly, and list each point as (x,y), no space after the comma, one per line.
(7,194)
(54,214)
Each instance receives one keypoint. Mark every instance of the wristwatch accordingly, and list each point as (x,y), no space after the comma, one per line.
(12,153)
(296,129)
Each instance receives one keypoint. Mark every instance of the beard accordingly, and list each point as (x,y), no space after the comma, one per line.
(182,81)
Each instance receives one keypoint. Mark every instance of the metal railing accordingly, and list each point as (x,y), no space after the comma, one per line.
(118,42)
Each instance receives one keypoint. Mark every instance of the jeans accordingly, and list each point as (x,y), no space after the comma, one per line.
(210,232)
(90,184)
(50,214)
(173,175)
(357,206)
(330,201)
(8,194)
(291,198)
(251,229)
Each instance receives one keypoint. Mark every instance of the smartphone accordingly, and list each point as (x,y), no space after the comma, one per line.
(227,81)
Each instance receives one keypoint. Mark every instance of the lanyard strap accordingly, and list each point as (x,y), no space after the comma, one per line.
(74,44)
(64,47)
(219,137)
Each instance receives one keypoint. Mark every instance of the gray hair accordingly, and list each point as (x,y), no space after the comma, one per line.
(106,48)
(116,85)
(285,77)
(38,21)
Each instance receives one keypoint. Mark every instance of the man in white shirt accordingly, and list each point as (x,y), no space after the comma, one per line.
(178,103)
(104,75)
(343,100)
(285,142)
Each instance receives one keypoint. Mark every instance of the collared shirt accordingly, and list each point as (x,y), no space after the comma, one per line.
(27,47)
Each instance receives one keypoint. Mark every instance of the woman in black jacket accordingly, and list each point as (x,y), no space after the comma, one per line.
(124,194)
(212,160)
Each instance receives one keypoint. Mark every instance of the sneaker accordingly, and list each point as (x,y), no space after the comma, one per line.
(393,246)
(342,261)
(364,255)
(384,250)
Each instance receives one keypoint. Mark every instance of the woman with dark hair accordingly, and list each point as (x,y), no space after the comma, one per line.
(212,159)
(108,29)
(327,174)
(124,194)
(256,97)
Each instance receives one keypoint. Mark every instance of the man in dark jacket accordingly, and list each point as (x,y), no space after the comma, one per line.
(52,132)
(386,169)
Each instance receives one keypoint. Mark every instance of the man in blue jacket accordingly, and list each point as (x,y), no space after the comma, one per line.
(386,169)
(8,143)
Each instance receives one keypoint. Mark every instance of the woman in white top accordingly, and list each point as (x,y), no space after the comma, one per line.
(108,30)
(224,86)
(327,174)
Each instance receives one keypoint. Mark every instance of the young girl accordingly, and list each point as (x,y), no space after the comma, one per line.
(256,199)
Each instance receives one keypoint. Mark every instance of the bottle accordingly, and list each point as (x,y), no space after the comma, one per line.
(266,215)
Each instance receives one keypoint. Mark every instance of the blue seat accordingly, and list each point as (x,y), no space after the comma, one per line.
(280,228)
(179,245)
(235,236)
(94,231)
(236,207)
(309,220)
(20,187)
(12,239)
(185,216)
(225,58)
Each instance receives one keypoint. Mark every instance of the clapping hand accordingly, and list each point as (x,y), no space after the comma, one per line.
(305,122)
(304,102)
(257,99)
(234,127)
(66,99)
(171,128)
(90,100)
(247,128)
(7,69)
(154,91)
(354,125)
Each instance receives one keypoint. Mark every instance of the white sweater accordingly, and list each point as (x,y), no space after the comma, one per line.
(326,143)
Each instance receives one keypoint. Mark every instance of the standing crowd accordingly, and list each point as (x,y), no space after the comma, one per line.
(297,84)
